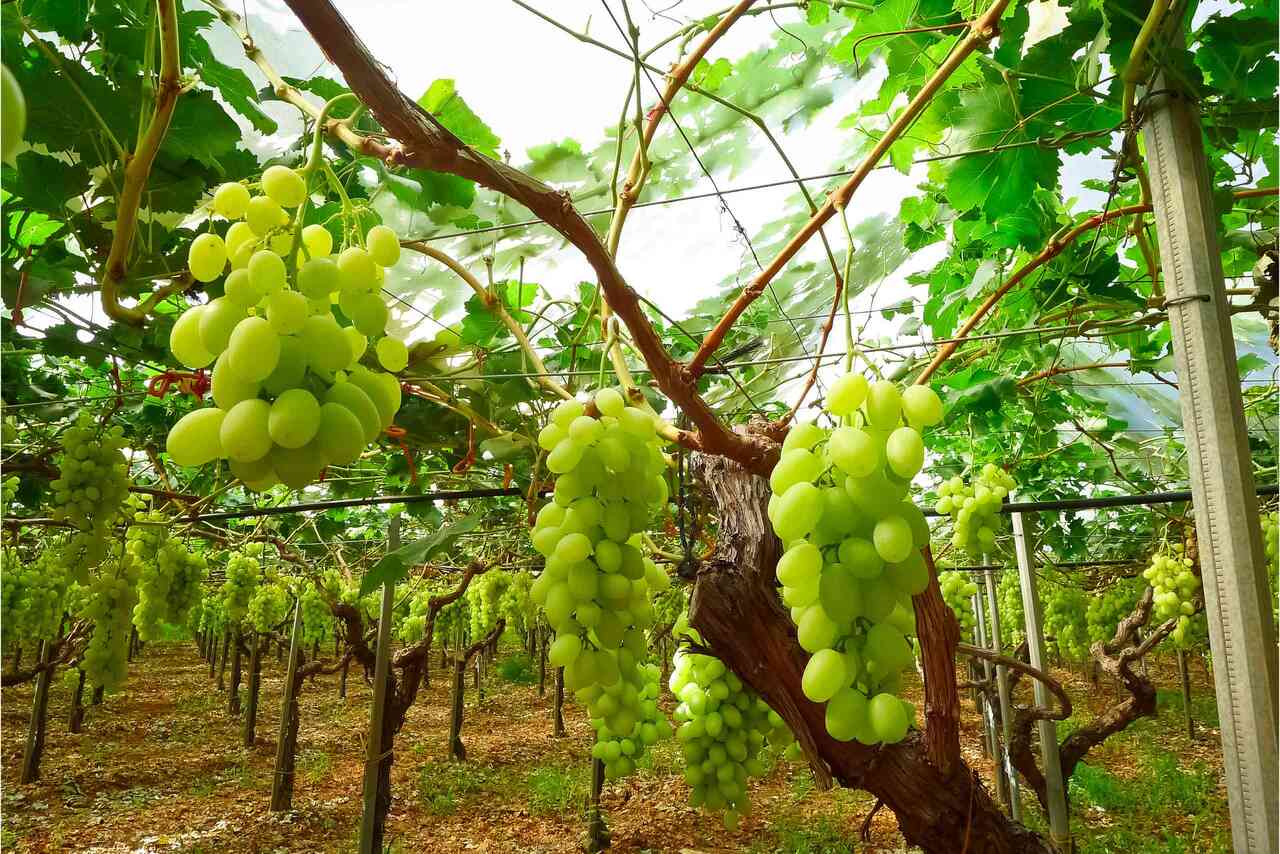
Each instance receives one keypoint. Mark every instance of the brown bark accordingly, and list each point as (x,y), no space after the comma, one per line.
(255,684)
(75,721)
(233,696)
(939,803)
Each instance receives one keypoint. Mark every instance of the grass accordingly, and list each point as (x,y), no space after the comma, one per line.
(557,790)
(517,668)
(313,765)
(443,786)
(817,836)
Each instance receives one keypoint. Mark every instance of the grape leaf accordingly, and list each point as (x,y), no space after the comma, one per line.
(443,101)
(394,566)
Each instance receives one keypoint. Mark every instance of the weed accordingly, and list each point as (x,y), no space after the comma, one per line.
(442,785)
(815,836)
(556,790)
(314,764)
(517,668)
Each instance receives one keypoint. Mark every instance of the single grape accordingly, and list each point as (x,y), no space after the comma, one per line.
(207,257)
(392,354)
(196,438)
(231,200)
(284,186)
(383,245)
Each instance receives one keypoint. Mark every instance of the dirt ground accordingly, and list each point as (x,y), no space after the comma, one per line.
(160,767)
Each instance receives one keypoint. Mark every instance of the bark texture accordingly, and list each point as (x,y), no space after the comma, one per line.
(941,805)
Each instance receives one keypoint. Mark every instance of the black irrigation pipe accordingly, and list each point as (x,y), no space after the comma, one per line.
(1069,564)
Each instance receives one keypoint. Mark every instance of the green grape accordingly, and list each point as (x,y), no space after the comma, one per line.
(846,395)
(217,321)
(1108,607)
(1176,587)
(239,288)
(287,311)
(170,577)
(93,483)
(284,186)
(228,387)
(245,432)
(207,257)
(921,406)
(13,122)
(317,616)
(297,467)
(185,341)
(240,241)
(35,593)
(196,438)
(268,606)
(231,200)
(904,451)
(294,418)
(267,271)
(264,215)
(383,245)
(318,277)
(349,395)
(254,349)
(356,269)
(1012,616)
(1065,606)
(359,343)
(291,366)
(723,727)
(325,343)
(883,406)
(318,242)
(365,309)
(243,575)
(392,354)
(339,434)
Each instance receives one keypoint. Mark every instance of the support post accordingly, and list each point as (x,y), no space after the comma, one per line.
(1002,688)
(457,751)
(372,817)
(287,740)
(1185,679)
(75,721)
(233,696)
(1055,791)
(222,665)
(255,687)
(39,718)
(1242,634)
(597,830)
(557,714)
(541,637)
(988,713)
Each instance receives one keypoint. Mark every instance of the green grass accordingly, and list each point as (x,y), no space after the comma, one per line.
(815,836)
(517,668)
(557,790)
(442,786)
(313,765)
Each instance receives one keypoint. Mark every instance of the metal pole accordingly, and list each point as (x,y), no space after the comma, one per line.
(1059,824)
(1242,635)
(988,715)
(1002,685)
(373,755)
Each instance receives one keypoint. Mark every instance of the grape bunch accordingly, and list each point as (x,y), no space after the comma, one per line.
(450,622)
(169,579)
(244,573)
(958,592)
(975,508)
(1108,607)
(92,484)
(290,388)
(213,612)
(723,727)
(1013,619)
(414,625)
(34,593)
(1065,607)
(482,600)
(516,605)
(620,750)
(317,616)
(112,596)
(596,587)
(1175,588)
(852,556)
(268,606)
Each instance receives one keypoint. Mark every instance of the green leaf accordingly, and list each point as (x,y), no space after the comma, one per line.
(201,130)
(394,566)
(709,75)
(232,84)
(443,101)
(1235,54)
(68,18)
(46,183)
(817,13)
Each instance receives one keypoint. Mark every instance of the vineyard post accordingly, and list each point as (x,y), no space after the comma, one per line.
(233,696)
(1184,676)
(1055,790)
(370,819)
(255,685)
(76,721)
(97,696)
(39,717)
(282,782)
(542,659)
(1242,635)
(557,713)
(222,664)
(213,654)
(988,713)
(597,831)
(1002,687)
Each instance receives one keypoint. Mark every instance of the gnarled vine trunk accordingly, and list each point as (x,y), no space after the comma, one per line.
(941,805)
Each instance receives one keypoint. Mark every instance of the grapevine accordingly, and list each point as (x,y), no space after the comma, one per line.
(852,559)
(291,389)
(597,586)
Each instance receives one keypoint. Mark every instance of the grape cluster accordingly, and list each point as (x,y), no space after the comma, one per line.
(112,596)
(852,559)
(34,593)
(596,587)
(450,621)
(268,606)
(291,395)
(958,591)
(723,727)
(317,616)
(1176,588)
(516,604)
(1013,619)
(92,484)
(975,508)
(1271,547)
(414,625)
(244,573)
(1108,607)
(1065,606)
(169,580)
(619,750)
(482,600)
(213,612)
